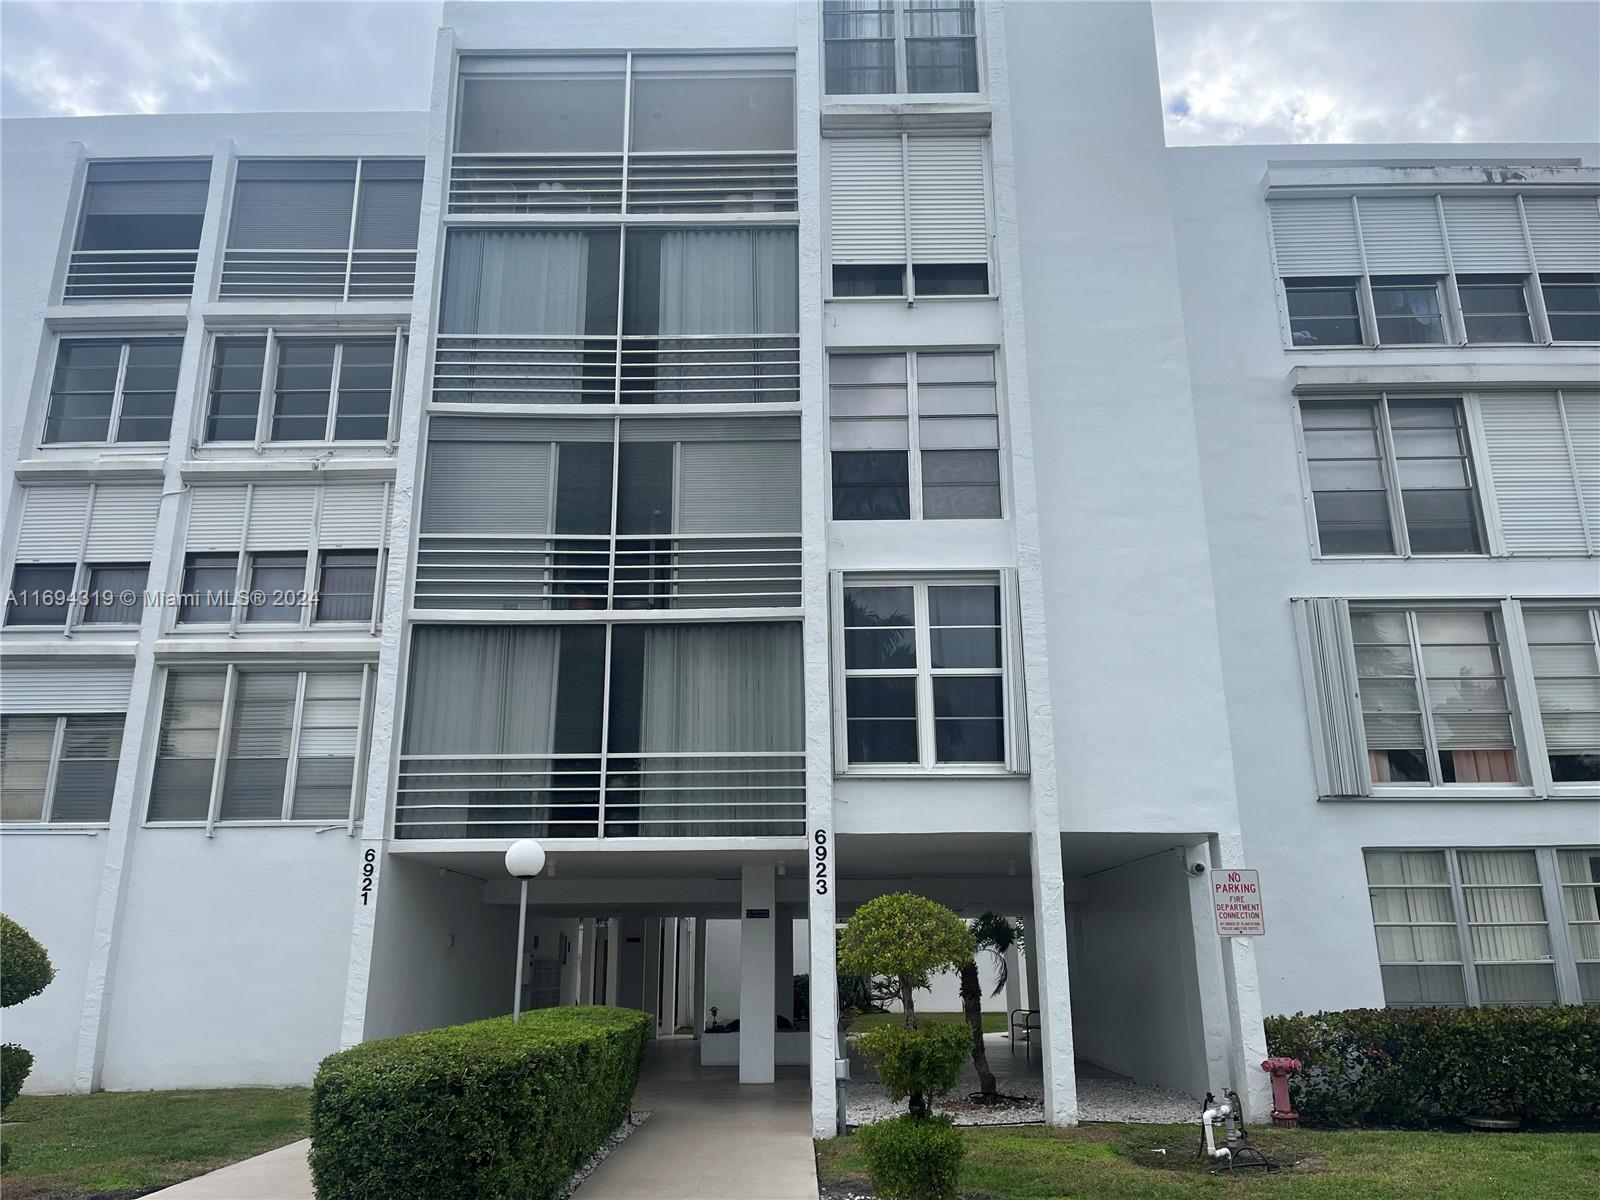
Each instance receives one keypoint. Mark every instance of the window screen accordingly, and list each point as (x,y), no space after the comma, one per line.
(292,204)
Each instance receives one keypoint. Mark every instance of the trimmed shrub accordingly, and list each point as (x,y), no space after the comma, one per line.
(15,1063)
(1419,1066)
(926,1060)
(25,968)
(913,1158)
(490,1109)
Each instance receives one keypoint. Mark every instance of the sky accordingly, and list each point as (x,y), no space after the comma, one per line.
(1232,73)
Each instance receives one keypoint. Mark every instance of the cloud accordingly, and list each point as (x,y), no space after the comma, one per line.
(81,58)
(1378,72)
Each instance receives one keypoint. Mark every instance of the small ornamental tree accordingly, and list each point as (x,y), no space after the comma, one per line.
(25,971)
(996,935)
(906,939)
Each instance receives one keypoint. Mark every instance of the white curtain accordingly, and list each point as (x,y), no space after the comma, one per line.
(517,282)
(721,688)
(1505,908)
(484,691)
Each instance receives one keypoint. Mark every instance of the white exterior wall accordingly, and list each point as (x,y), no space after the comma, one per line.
(1320,951)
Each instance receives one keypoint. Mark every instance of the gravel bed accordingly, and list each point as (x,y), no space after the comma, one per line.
(615,1139)
(1098,1100)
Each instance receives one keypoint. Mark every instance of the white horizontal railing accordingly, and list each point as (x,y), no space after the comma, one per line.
(129,274)
(318,274)
(636,369)
(689,181)
(689,794)
(540,573)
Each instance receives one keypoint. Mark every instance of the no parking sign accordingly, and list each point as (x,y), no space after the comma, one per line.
(1236,896)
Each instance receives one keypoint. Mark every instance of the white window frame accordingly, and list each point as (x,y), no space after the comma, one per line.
(1562,960)
(1450,299)
(1473,279)
(913,428)
(1488,516)
(220,758)
(267,398)
(1535,717)
(898,10)
(1012,714)
(110,441)
(79,597)
(52,773)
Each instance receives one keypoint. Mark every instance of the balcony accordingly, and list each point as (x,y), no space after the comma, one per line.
(593,572)
(694,182)
(129,274)
(317,274)
(665,794)
(636,369)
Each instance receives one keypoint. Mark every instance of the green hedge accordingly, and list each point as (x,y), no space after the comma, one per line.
(913,1158)
(489,1109)
(1419,1066)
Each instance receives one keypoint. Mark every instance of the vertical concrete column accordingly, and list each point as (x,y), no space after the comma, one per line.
(1048,942)
(757,1046)
(1248,1038)
(1013,981)
(667,1019)
(783,965)
(699,1005)
(1030,967)
(613,960)
(587,936)
(650,973)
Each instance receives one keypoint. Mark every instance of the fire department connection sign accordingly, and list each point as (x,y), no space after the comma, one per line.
(1236,896)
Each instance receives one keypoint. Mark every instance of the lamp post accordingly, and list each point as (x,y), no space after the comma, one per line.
(524,859)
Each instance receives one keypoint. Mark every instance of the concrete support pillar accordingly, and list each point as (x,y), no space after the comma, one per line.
(587,937)
(650,972)
(686,971)
(757,1046)
(1047,942)
(699,1005)
(667,1020)
(1030,969)
(1013,981)
(783,966)
(1242,988)
(613,960)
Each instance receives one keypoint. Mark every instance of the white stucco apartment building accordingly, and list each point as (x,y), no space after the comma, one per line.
(775,455)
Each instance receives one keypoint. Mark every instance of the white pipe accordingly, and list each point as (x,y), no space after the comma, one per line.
(522,930)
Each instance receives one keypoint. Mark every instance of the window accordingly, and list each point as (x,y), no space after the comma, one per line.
(867,44)
(321,390)
(59,768)
(347,585)
(290,744)
(1407,310)
(1461,267)
(116,593)
(508,731)
(1470,927)
(1572,303)
(705,134)
(277,587)
(1323,312)
(41,593)
(138,229)
(914,434)
(1434,701)
(908,215)
(337,228)
(1494,308)
(521,513)
(112,390)
(1391,476)
(531,317)
(924,674)
(208,588)
(1564,644)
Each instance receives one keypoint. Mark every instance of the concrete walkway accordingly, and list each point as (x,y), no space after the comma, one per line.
(710,1137)
(280,1174)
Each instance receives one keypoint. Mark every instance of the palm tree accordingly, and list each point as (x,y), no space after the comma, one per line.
(996,935)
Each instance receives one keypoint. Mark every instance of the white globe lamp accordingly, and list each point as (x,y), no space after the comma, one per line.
(524,860)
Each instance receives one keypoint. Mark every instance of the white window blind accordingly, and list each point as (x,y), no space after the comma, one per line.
(1402,234)
(1565,232)
(1315,237)
(1485,233)
(1328,674)
(293,204)
(1533,442)
(739,487)
(122,526)
(284,516)
(867,200)
(60,688)
(281,517)
(53,523)
(487,487)
(109,522)
(949,204)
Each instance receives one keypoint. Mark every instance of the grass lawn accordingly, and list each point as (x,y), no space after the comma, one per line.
(1117,1162)
(130,1142)
(993,1022)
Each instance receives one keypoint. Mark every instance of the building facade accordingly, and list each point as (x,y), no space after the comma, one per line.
(775,455)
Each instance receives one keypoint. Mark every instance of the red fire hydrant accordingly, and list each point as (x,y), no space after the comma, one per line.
(1280,1069)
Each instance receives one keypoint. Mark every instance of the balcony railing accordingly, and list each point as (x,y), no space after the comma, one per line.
(680,182)
(537,573)
(129,274)
(318,274)
(637,369)
(664,794)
